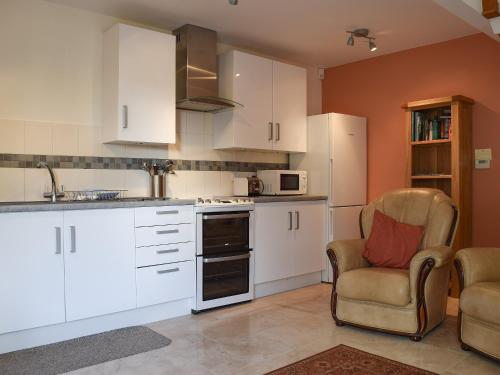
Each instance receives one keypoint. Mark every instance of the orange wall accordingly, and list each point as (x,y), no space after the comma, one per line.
(377,87)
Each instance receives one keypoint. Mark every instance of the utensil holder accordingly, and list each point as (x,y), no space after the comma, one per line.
(157,186)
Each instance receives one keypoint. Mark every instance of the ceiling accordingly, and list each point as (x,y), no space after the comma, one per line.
(308,32)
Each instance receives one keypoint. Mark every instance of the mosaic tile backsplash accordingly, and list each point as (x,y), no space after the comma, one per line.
(95,162)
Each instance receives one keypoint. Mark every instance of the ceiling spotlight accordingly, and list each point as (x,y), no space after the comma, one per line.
(350,41)
(233,2)
(364,34)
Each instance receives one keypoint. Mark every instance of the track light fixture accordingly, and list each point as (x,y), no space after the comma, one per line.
(233,2)
(361,33)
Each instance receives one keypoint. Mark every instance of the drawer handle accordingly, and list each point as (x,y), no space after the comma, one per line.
(167,251)
(172,212)
(161,272)
(170,231)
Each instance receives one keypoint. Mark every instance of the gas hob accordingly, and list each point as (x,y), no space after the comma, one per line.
(223,204)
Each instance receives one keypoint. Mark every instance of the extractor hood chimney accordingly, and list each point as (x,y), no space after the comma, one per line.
(196,71)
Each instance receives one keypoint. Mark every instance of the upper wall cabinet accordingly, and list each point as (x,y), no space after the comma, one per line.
(274,98)
(139,86)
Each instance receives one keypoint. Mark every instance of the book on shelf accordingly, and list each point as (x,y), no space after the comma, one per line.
(424,128)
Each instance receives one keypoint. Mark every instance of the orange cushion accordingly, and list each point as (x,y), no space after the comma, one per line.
(391,243)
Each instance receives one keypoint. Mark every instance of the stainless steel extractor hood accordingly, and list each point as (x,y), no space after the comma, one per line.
(196,67)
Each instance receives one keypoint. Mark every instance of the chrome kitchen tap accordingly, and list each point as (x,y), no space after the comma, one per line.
(54,194)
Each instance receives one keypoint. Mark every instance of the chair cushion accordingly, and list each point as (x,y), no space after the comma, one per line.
(482,301)
(375,284)
(391,243)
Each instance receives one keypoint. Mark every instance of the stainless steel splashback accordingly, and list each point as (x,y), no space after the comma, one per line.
(196,66)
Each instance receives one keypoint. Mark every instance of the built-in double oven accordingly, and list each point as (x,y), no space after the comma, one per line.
(225,264)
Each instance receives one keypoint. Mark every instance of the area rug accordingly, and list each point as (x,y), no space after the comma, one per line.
(344,360)
(81,352)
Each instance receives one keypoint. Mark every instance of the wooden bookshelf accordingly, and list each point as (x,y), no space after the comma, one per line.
(443,160)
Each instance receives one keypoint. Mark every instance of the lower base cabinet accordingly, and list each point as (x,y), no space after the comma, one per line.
(290,239)
(164,283)
(31,270)
(99,254)
(63,266)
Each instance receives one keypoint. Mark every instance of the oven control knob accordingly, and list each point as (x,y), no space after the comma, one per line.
(200,200)
(208,201)
(216,200)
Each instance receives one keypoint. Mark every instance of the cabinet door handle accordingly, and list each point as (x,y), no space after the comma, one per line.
(277,131)
(290,220)
(297,220)
(125,117)
(167,251)
(73,239)
(171,212)
(58,241)
(170,231)
(270,131)
(160,272)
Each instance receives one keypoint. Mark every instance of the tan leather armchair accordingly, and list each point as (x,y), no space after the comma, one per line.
(479,313)
(407,302)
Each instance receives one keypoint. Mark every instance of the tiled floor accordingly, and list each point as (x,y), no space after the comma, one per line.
(271,332)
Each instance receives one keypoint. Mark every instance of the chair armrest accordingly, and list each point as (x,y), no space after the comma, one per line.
(442,256)
(422,264)
(347,255)
(478,264)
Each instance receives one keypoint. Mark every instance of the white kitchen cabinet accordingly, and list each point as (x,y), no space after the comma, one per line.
(162,254)
(246,79)
(165,283)
(274,98)
(164,234)
(273,234)
(138,86)
(309,237)
(289,107)
(31,270)
(290,239)
(99,252)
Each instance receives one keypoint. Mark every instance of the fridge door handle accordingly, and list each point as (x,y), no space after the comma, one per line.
(331,225)
(330,181)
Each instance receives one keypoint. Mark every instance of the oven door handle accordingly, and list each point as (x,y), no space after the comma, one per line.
(226,259)
(226,216)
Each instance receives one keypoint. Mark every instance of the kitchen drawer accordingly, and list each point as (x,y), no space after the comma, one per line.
(152,255)
(164,235)
(149,216)
(169,282)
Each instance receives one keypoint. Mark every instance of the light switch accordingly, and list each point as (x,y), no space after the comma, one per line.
(483,158)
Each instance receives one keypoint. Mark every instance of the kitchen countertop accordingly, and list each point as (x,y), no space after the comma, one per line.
(135,202)
(287,198)
(90,205)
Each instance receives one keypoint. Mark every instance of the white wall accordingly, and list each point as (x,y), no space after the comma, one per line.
(50,103)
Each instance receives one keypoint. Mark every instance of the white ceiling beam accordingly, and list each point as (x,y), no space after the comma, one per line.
(467,11)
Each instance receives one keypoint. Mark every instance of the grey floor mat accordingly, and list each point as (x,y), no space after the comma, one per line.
(85,351)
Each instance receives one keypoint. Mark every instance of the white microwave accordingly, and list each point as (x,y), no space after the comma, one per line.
(283,182)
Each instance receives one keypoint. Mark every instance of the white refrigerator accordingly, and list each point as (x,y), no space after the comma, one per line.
(336,165)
